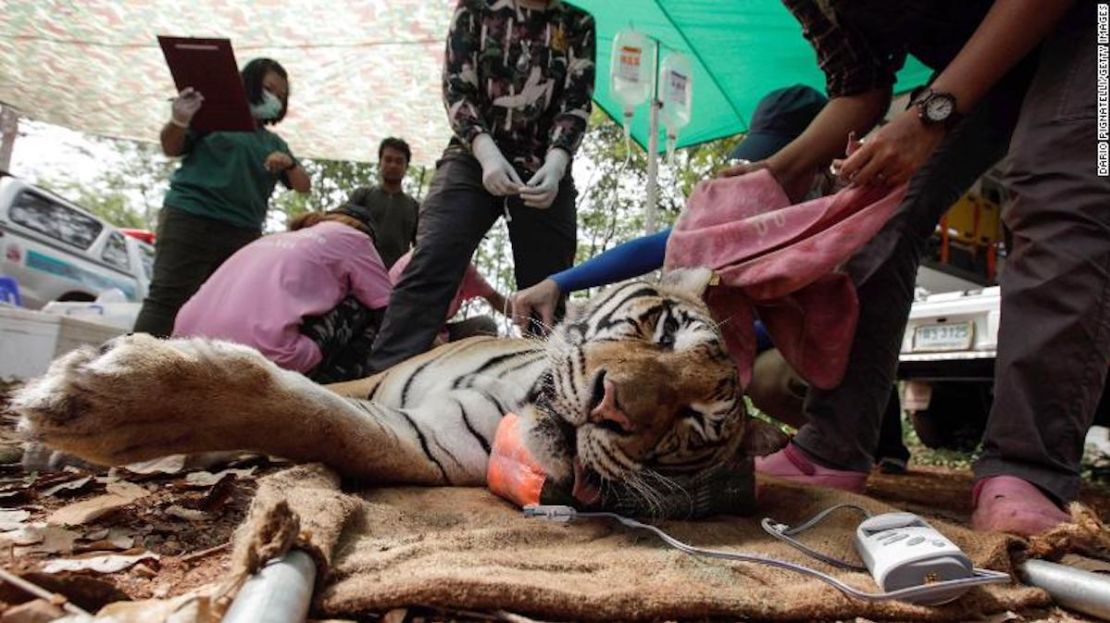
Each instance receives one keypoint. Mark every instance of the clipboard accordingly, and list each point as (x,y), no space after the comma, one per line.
(208,65)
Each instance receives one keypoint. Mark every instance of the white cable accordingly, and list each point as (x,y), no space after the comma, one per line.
(567,513)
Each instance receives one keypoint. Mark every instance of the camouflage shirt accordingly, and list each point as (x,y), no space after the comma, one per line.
(524,76)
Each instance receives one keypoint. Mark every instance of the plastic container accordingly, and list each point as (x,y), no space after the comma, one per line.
(120,315)
(30,340)
(630,72)
(677,81)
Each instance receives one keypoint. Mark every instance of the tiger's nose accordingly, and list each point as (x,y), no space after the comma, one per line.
(608,413)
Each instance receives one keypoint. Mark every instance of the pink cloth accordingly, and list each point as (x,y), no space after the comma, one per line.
(473,284)
(259,296)
(779,261)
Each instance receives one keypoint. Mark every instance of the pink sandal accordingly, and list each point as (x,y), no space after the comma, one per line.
(791,464)
(1010,504)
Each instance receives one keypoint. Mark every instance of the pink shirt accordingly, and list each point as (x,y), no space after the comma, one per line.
(473,284)
(259,296)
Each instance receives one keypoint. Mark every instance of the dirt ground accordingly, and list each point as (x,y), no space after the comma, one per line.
(180,524)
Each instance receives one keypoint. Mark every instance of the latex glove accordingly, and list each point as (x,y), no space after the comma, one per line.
(498,176)
(541,190)
(540,299)
(185,106)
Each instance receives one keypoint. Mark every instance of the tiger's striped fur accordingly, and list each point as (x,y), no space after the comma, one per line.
(635,385)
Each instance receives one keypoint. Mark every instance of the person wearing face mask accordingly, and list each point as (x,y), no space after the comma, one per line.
(518,79)
(219,196)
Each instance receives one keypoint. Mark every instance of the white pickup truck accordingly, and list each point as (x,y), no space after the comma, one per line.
(947,365)
(57,251)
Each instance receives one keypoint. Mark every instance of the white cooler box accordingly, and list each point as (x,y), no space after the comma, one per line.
(30,340)
(122,315)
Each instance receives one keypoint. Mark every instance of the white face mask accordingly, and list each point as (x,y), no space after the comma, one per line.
(269,109)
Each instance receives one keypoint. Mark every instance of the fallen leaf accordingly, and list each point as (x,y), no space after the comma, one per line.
(14,497)
(27,535)
(41,538)
(97,535)
(37,611)
(186,513)
(109,563)
(116,539)
(208,479)
(13,520)
(119,494)
(71,487)
(171,464)
(192,607)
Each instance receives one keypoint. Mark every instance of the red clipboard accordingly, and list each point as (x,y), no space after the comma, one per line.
(208,65)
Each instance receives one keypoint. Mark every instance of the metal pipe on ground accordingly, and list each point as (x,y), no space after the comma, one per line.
(1076,589)
(279,593)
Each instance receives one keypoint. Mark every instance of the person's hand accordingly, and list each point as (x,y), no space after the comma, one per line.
(893,153)
(539,299)
(278,161)
(742,167)
(185,106)
(542,188)
(795,186)
(498,176)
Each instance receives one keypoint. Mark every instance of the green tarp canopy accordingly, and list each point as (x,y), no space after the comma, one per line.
(740,50)
(362,70)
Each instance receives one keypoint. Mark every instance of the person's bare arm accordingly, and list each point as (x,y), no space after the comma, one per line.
(1010,30)
(299,179)
(172,138)
(497,301)
(795,165)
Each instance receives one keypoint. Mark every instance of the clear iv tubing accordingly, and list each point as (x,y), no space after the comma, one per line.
(983,576)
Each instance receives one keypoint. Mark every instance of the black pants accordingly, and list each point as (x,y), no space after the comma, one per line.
(344,336)
(187,251)
(455,216)
(1054,336)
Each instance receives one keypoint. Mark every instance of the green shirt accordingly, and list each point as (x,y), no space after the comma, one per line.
(394,217)
(223,176)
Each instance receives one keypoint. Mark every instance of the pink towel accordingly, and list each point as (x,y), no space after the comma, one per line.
(779,262)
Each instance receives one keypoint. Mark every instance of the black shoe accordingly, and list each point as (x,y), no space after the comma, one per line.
(891,465)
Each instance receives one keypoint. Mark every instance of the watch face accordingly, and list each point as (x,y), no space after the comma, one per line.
(939,108)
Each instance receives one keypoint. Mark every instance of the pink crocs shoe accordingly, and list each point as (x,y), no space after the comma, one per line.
(791,464)
(1010,504)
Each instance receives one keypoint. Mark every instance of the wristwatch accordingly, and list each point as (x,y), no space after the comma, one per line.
(935,107)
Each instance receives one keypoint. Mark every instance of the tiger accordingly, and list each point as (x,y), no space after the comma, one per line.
(634,387)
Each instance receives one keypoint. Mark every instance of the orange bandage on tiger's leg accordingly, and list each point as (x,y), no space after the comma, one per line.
(512,472)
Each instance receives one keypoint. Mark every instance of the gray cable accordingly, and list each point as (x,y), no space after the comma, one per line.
(567,513)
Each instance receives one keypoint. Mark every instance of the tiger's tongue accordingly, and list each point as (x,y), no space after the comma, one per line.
(585,489)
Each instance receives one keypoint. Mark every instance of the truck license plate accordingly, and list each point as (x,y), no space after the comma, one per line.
(948,336)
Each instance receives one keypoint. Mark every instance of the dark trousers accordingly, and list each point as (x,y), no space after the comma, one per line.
(454,217)
(344,335)
(187,251)
(1055,332)
(1054,336)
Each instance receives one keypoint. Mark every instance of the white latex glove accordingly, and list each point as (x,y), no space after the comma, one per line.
(541,190)
(185,105)
(498,176)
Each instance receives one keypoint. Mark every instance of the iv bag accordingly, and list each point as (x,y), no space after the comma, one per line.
(630,69)
(677,82)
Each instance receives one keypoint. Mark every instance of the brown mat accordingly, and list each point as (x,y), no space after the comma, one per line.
(466,549)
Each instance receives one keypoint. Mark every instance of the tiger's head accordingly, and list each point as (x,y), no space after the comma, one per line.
(641,392)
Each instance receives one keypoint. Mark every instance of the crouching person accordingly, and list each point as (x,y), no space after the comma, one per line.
(310,299)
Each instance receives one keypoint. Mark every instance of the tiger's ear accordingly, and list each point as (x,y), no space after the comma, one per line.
(689,281)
